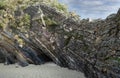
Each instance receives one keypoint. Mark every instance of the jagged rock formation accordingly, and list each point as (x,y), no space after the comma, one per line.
(90,47)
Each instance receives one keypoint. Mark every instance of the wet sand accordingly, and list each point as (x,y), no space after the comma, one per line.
(49,70)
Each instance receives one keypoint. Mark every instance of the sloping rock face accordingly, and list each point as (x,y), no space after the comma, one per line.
(2,58)
(90,47)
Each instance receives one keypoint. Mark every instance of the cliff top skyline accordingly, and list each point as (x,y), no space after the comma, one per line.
(92,9)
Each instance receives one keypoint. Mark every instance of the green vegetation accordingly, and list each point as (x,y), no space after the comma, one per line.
(115,59)
(1,26)
(60,7)
(2,5)
(8,7)
(26,20)
(50,22)
(22,23)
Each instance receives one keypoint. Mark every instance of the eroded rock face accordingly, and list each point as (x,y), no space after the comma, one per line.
(90,47)
(2,58)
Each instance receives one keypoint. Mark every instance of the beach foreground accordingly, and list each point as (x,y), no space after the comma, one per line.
(48,70)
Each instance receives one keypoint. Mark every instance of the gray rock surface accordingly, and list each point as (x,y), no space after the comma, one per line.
(90,47)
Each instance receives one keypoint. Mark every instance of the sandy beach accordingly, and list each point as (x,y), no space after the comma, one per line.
(48,70)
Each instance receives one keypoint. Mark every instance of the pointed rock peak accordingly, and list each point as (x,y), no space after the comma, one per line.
(118,13)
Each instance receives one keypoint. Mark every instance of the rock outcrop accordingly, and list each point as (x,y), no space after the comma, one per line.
(90,47)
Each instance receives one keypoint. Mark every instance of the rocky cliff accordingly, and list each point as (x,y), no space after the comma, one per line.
(42,30)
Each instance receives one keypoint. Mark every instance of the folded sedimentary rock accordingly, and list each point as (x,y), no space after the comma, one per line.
(90,47)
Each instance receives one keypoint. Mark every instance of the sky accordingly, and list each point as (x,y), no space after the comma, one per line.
(93,9)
